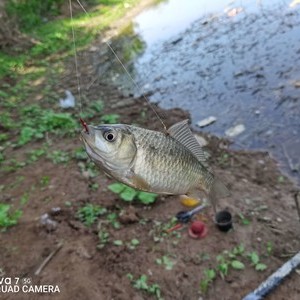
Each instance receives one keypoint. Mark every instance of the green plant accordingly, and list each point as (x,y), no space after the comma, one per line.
(34,155)
(104,238)
(269,248)
(24,198)
(94,186)
(244,220)
(89,213)
(44,181)
(255,260)
(128,194)
(112,218)
(118,243)
(8,218)
(142,284)
(133,244)
(209,277)
(58,156)
(35,122)
(166,261)
(110,118)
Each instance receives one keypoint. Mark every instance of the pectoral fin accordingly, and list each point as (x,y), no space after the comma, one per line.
(139,183)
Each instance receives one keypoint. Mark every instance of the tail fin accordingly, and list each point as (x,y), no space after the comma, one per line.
(218,190)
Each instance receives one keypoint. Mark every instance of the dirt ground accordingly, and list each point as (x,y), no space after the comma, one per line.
(83,270)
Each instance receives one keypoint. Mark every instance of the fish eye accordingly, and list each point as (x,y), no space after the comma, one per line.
(109,136)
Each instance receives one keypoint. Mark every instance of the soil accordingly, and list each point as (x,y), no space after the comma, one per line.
(83,270)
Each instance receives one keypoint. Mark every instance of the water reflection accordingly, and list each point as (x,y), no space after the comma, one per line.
(240,65)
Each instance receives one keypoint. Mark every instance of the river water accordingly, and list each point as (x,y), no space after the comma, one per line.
(239,63)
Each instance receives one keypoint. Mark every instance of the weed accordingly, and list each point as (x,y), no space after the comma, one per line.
(34,155)
(255,260)
(244,220)
(269,248)
(112,218)
(59,156)
(44,181)
(104,238)
(94,186)
(8,218)
(128,194)
(110,118)
(35,122)
(24,198)
(142,284)
(118,243)
(166,261)
(209,277)
(3,137)
(79,154)
(89,213)
(93,109)
(133,244)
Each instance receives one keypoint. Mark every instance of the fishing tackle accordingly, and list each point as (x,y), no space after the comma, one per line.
(84,125)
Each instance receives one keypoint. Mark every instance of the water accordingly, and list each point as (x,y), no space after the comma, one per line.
(242,69)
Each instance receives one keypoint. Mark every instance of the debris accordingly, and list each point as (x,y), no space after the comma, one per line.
(236,130)
(189,202)
(48,258)
(68,102)
(48,223)
(207,121)
(297,83)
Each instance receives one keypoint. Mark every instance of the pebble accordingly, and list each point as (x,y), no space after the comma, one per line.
(236,130)
(279,220)
(207,121)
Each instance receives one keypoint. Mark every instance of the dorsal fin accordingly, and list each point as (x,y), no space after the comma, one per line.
(183,134)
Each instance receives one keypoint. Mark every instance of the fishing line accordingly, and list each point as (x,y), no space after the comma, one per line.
(75,55)
(118,59)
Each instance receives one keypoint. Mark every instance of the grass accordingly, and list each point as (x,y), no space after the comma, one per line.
(8,217)
(89,213)
(142,284)
(237,259)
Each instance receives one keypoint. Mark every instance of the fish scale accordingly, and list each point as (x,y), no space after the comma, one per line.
(178,172)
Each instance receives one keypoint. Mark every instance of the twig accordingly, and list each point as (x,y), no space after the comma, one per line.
(48,258)
(296,197)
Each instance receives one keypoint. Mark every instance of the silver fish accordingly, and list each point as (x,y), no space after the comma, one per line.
(164,163)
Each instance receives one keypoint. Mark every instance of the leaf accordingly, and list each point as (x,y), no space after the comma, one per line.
(210,274)
(128,194)
(254,257)
(260,267)
(116,187)
(237,265)
(118,243)
(147,198)
(135,242)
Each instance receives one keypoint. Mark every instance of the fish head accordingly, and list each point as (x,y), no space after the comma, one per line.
(110,146)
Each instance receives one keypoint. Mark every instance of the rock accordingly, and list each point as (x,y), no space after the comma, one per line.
(48,223)
(236,130)
(68,102)
(207,121)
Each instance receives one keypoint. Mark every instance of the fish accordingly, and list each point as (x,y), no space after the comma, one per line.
(171,162)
